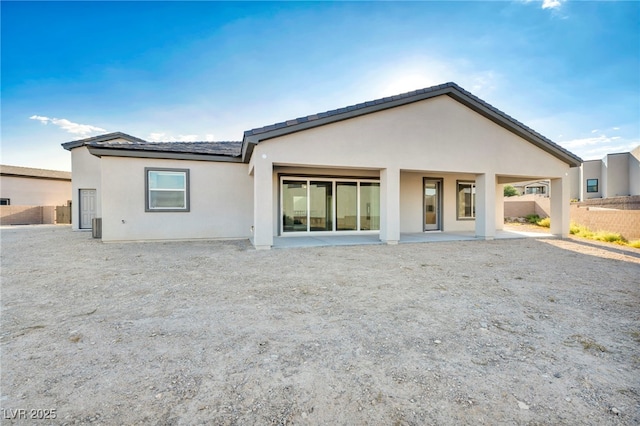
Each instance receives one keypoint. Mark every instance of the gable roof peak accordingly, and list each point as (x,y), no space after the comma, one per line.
(102,138)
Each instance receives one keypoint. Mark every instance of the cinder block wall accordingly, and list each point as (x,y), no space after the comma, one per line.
(526,205)
(27,215)
(624,222)
(622,203)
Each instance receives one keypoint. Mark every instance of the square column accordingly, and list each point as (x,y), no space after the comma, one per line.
(390,205)
(262,203)
(499,207)
(560,204)
(486,187)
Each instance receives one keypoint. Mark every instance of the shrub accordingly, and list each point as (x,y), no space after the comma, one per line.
(510,191)
(546,222)
(609,237)
(532,218)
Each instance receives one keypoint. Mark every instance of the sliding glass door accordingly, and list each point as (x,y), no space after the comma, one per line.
(329,205)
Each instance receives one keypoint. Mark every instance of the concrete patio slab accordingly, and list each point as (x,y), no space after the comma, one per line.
(419,237)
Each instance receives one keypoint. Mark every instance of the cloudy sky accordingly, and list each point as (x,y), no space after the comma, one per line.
(210,70)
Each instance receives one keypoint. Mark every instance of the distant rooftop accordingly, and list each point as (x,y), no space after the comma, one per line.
(34,173)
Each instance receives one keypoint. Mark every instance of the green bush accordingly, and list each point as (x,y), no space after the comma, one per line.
(532,218)
(510,191)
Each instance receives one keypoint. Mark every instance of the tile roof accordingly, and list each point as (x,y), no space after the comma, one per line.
(451,89)
(224,148)
(34,173)
(251,137)
(335,112)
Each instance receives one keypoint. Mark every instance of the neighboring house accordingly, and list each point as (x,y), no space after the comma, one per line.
(616,175)
(537,188)
(433,159)
(24,186)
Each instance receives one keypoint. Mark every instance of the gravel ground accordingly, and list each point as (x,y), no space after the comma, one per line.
(530,331)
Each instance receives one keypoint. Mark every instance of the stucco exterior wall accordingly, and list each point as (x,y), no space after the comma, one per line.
(438,134)
(412,202)
(221,201)
(634,172)
(591,169)
(86,175)
(575,174)
(438,137)
(25,191)
(617,175)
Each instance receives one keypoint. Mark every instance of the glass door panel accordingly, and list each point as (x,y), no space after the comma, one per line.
(294,206)
(321,206)
(431,205)
(369,206)
(346,206)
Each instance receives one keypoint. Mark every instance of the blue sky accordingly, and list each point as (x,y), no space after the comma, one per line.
(210,70)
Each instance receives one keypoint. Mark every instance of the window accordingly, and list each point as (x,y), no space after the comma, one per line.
(167,190)
(329,205)
(5,201)
(592,185)
(466,200)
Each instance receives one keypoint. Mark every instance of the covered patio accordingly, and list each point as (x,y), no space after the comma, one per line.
(405,238)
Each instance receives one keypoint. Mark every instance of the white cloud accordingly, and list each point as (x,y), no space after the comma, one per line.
(595,131)
(187,138)
(551,4)
(163,137)
(582,142)
(69,126)
(157,137)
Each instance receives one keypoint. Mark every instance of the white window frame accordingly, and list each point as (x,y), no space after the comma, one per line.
(147,190)
(334,181)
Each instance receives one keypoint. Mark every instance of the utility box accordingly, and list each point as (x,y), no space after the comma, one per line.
(96,227)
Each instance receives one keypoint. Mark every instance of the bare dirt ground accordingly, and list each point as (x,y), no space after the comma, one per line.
(530,331)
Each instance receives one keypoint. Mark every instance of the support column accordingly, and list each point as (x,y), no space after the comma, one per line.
(560,204)
(390,205)
(486,206)
(499,207)
(262,203)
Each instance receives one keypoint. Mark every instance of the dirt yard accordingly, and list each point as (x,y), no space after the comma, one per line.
(181,333)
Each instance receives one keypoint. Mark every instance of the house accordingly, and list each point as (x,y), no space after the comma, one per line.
(30,196)
(25,186)
(615,175)
(434,159)
(533,188)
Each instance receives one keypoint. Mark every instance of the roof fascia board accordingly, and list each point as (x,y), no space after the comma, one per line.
(119,152)
(346,115)
(101,138)
(250,141)
(35,177)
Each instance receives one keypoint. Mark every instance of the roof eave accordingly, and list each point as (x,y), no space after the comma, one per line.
(450,89)
(120,152)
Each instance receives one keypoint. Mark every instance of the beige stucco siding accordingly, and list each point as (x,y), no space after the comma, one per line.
(438,137)
(25,191)
(221,201)
(86,175)
(412,202)
(634,172)
(592,169)
(437,134)
(617,166)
